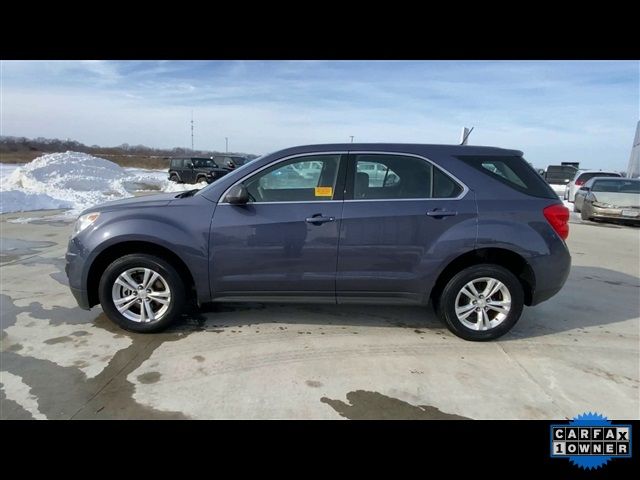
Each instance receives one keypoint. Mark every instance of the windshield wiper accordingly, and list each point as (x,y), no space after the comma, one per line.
(188,193)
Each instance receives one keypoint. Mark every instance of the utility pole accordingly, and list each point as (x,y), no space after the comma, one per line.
(191,131)
(226,144)
(351,138)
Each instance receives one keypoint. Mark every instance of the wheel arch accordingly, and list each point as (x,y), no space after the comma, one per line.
(115,251)
(508,259)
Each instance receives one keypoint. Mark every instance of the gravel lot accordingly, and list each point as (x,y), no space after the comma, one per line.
(577,352)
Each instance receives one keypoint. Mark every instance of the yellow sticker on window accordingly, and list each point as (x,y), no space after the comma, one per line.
(324,191)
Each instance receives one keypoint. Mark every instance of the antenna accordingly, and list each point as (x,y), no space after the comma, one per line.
(192,130)
(351,138)
(464,136)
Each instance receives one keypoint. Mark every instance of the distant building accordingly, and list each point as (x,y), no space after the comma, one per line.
(633,170)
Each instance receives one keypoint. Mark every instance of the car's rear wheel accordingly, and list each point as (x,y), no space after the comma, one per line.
(141,293)
(584,215)
(174,178)
(576,208)
(481,302)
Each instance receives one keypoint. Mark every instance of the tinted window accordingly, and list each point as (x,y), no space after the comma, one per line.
(311,178)
(616,186)
(585,177)
(203,163)
(378,173)
(560,175)
(444,186)
(391,177)
(176,163)
(512,171)
(238,161)
(188,163)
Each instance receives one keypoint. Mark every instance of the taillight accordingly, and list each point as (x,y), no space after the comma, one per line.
(558,217)
(579,182)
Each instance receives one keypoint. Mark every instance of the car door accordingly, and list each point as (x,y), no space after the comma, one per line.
(284,242)
(402,218)
(188,171)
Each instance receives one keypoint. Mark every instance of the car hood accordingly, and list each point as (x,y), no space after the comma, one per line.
(618,199)
(155,200)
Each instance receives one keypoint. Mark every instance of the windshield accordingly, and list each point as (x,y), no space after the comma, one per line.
(616,186)
(203,163)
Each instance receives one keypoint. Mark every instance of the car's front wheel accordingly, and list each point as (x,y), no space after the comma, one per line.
(141,293)
(481,302)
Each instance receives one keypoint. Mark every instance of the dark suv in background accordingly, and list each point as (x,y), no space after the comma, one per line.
(202,169)
(474,230)
(195,170)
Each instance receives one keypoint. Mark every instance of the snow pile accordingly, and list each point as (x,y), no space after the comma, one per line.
(76,181)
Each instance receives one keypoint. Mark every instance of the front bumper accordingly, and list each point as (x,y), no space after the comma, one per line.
(74,270)
(82,297)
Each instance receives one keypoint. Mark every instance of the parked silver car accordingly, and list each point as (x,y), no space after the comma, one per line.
(582,177)
(609,199)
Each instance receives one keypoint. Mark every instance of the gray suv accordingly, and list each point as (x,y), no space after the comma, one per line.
(473,230)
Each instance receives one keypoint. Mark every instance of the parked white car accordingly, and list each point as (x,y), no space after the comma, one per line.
(582,177)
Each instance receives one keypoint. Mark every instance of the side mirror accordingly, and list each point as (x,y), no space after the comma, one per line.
(585,189)
(238,195)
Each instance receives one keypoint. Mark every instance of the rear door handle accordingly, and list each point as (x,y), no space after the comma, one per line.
(438,213)
(319,219)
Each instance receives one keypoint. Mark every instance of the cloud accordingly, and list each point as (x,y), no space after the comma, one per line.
(554,111)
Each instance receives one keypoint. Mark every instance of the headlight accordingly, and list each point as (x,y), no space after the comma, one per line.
(602,205)
(84,221)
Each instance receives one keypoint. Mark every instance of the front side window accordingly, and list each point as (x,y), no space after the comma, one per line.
(302,179)
(379,176)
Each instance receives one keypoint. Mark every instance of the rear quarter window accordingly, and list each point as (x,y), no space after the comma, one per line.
(512,171)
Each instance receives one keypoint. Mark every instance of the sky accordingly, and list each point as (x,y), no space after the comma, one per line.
(554,111)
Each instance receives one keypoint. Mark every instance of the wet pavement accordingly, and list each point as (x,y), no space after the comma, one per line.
(577,352)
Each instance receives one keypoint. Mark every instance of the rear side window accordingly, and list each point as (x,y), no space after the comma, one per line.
(176,163)
(512,171)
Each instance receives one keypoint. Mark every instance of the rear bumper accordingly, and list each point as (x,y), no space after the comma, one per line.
(615,214)
(551,272)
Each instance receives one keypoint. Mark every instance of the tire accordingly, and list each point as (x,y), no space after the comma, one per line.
(575,208)
(503,322)
(174,178)
(135,265)
(584,215)
(201,178)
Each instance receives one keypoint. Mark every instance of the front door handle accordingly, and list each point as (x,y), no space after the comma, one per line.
(439,213)
(319,219)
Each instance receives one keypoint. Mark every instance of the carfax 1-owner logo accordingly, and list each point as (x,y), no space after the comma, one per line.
(590,441)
